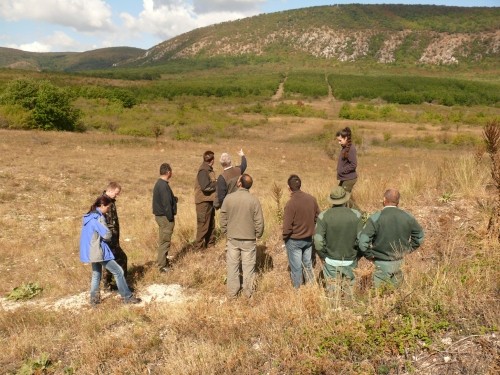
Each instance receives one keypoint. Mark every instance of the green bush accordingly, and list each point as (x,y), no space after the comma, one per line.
(23,92)
(14,116)
(465,140)
(50,106)
(53,110)
(24,292)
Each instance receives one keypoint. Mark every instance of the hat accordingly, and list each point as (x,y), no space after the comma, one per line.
(338,195)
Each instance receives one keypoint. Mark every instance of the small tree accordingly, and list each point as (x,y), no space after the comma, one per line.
(277,194)
(53,110)
(22,92)
(50,107)
(491,134)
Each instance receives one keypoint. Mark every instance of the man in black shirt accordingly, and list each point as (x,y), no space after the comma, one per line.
(164,209)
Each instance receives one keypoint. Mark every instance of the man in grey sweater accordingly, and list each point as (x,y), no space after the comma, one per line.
(242,221)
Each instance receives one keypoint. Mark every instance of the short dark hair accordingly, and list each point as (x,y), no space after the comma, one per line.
(294,182)
(165,168)
(246,181)
(208,156)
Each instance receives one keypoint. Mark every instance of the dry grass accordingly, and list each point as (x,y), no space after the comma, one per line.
(48,180)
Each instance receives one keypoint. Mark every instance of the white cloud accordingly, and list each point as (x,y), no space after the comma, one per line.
(56,42)
(168,18)
(240,6)
(90,22)
(82,15)
(31,47)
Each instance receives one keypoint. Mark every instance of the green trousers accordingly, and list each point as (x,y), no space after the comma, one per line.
(388,273)
(339,277)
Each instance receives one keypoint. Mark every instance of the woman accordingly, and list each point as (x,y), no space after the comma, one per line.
(348,161)
(95,250)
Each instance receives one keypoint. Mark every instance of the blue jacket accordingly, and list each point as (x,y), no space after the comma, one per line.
(95,232)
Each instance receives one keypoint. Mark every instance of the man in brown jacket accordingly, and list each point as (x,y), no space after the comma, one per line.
(204,196)
(241,219)
(299,220)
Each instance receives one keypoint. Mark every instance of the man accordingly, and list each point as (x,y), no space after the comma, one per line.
(335,241)
(386,237)
(204,196)
(299,219)
(164,209)
(241,219)
(226,182)
(112,191)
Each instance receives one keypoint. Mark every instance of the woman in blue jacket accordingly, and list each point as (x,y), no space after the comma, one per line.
(95,250)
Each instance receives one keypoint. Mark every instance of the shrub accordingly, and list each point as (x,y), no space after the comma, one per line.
(50,107)
(53,110)
(23,92)
(24,292)
(465,140)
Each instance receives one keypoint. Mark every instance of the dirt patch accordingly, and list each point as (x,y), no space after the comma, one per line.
(155,293)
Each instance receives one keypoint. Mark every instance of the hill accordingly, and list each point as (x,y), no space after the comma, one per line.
(386,34)
(67,61)
(399,35)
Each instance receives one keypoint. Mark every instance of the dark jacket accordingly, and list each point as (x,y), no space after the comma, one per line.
(336,232)
(226,182)
(204,186)
(389,234)
(164,201)
(346,167)
(300,216)
(113,223)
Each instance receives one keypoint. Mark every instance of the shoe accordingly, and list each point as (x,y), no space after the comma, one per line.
(132,300)
(164,270)
(95,301)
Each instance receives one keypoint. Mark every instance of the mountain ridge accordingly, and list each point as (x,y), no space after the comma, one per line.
(434,35)
(381,34)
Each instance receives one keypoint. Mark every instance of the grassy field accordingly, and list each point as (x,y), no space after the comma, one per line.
(443,320)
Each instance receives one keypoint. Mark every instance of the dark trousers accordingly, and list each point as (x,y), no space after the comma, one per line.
(205,224)
(348,185)
(121,259)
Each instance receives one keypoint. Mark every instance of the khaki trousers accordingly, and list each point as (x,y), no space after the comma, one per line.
(240,253)
(165,230)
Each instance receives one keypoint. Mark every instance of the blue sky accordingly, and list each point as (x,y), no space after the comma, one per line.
(82,25)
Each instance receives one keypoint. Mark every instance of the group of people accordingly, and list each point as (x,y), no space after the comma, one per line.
(100,246)
(337,235)
(241,218)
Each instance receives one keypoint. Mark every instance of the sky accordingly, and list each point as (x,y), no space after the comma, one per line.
(83,25)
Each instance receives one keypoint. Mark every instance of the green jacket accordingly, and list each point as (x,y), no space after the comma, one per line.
(389,234)
(336,233)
